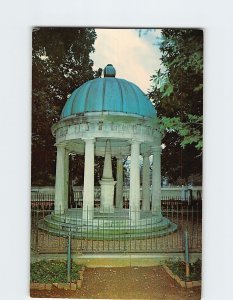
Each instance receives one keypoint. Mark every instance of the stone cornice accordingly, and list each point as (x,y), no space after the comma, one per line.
(100,119)
(73,132)
(141,132)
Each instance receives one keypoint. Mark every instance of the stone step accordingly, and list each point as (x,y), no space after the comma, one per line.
(50,221)
(98,233)
(107,221)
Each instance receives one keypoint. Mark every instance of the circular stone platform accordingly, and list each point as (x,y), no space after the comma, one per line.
(107,226)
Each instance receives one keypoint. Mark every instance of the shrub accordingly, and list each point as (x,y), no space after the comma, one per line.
(53,271)
(178,268)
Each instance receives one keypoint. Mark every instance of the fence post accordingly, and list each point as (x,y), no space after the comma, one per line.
(187,268)
(69,256)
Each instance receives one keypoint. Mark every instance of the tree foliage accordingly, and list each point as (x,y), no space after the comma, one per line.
(177,93)
(60,63)
(190,131)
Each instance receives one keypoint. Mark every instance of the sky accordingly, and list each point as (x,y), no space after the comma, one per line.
(135,57)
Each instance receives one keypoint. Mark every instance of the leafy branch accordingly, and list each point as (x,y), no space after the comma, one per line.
(190,131)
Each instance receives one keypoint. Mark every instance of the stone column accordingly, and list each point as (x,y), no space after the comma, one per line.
(88,186)
(119,184)
(146,183)
(66,178)
(134,196)
(107,183)
(61,185)
(156,181)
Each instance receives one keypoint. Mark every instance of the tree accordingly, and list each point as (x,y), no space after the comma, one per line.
(60,63)
(177,93)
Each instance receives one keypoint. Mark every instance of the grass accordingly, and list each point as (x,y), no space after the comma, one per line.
(178,268)
(53,272)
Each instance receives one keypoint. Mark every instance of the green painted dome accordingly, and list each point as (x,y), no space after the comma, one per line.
(108,94)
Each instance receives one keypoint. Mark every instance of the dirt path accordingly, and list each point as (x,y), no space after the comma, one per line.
(126,283)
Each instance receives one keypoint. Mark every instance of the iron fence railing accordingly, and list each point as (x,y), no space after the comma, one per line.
(185,216)
(46,201)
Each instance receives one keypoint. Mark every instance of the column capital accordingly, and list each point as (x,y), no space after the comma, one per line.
(61,146)
(88,140)
(135,142)
(156,149)
(119,156)
(146,153)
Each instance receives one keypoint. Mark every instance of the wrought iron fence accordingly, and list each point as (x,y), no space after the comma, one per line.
(45,201)
(188,216)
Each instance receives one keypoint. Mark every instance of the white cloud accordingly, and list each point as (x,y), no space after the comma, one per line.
(134,58)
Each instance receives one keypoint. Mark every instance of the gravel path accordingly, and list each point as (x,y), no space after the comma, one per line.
(126,283)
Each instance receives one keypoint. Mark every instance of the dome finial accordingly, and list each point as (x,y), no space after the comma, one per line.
(109,71)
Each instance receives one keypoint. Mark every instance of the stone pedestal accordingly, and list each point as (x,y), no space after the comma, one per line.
(107,195)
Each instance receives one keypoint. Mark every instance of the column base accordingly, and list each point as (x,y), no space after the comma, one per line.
(157,214)
(107,209)
(146,207)
(120,204)
(59,211)
(87,214)
(134,215)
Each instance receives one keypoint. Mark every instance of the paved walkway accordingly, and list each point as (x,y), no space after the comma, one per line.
(126,283)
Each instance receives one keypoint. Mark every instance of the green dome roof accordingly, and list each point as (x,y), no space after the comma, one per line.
(108,94)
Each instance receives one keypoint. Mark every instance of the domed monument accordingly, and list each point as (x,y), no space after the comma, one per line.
(109,117)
